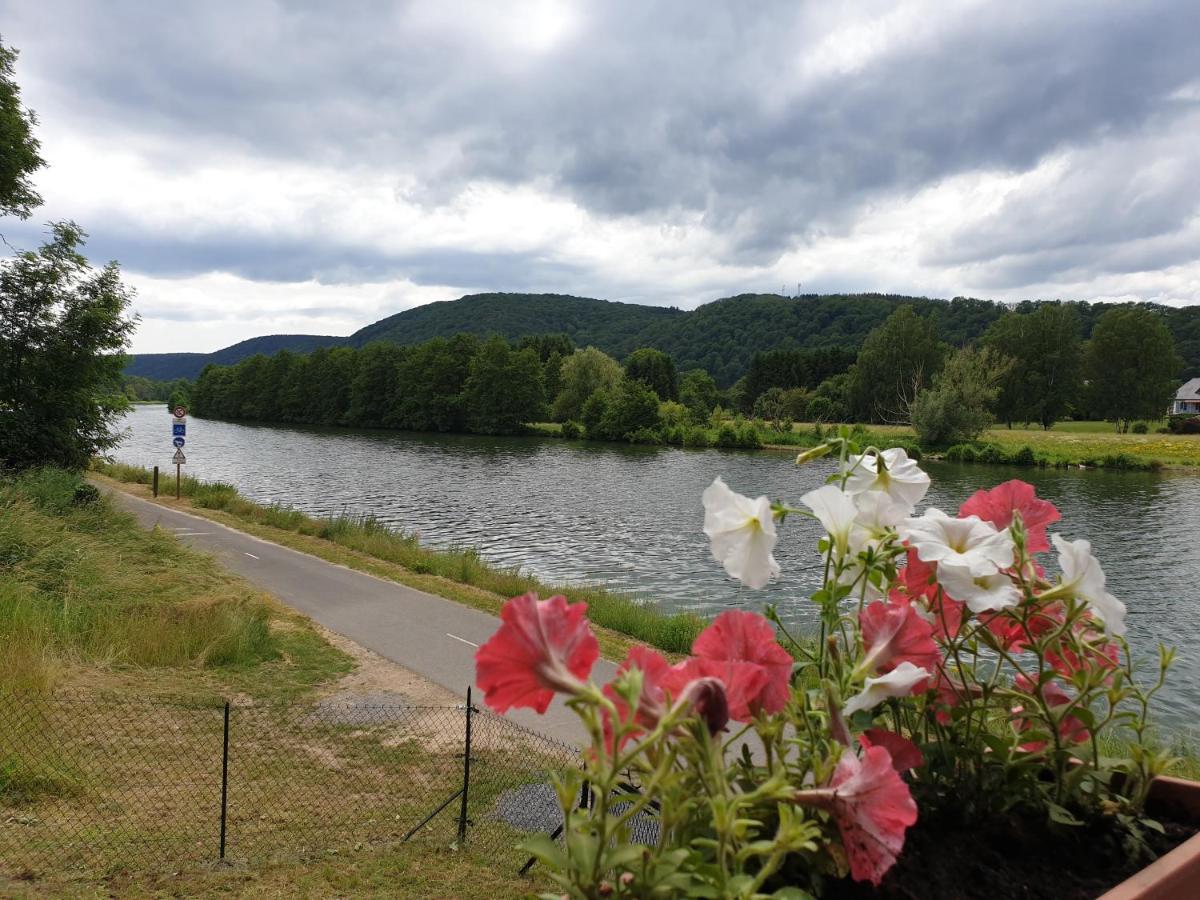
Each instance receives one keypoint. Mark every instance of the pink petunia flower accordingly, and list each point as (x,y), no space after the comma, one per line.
(905,754)
(652,702)
(739,636)
(894,633)
(998,505)
(872,807)
(744,683)
(541,648)
(1070,729)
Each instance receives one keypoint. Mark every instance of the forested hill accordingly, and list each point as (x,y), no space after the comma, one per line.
(169,366)
(720,337)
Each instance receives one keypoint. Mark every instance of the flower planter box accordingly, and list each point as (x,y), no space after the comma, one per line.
(1176,875)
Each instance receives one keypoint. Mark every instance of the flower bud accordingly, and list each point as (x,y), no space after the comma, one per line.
(626,879)
(813,453)
(605,889)
(706,696)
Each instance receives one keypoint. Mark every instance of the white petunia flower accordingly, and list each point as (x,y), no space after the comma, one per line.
(899,477)
(897,683)
(969,542)
(1083,578)
(840,514)
(878,513)
(742,534)
(981,593)
(836,511)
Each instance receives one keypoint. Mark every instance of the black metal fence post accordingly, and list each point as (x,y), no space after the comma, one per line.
(224,778)
(154,484)
(462,814)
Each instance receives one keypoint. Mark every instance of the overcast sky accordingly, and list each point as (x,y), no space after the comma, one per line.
(262,167)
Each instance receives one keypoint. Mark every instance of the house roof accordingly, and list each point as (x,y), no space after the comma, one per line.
(1189,391)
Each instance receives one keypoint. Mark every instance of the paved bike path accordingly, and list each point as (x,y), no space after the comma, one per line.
(425,633)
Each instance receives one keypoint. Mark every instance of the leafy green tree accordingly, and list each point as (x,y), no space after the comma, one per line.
(583,373)
(831,400)
(63,330)
(504,389)
(1045,380)
(897,360)
(632,407)
(960,405)
(1131,366)
(19,157)
(654,369)
(595,408)
(179,397)
(375,382)
(698,392)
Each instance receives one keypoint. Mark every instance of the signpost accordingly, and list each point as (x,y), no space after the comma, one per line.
(178,438)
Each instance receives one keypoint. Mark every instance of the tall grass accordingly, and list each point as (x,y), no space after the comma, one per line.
(646,622)
(82,583)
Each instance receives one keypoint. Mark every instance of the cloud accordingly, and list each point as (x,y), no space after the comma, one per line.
(635,151)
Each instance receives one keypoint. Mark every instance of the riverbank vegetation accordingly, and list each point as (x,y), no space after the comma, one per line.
(1029,365)
(85,592)
(365,543)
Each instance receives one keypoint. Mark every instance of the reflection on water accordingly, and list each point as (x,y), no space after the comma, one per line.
(630,517)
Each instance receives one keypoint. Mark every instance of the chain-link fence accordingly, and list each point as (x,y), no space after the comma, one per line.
(91,781)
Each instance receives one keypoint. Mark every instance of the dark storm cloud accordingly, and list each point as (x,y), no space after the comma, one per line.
(266,258)
(652,112)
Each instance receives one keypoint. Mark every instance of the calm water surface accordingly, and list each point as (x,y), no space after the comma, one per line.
(630,517)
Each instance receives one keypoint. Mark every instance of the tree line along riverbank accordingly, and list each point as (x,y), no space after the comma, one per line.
(466,384)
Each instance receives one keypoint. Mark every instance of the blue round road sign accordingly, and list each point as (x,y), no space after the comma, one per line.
(178,442)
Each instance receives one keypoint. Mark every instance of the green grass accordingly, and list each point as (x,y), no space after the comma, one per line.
(83,585)
(443,572)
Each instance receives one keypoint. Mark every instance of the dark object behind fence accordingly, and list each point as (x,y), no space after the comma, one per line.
(88,780)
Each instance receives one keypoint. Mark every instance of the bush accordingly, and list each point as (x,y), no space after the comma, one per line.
(727,436)
(961,453)
(695,437)
(85,495)
(1184,424)
(747,436)
(1140,428)
(571,430)
(595,408)
(1023,457)
(990,453)
(644,436)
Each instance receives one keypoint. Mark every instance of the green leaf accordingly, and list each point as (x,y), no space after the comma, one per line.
(1061,815)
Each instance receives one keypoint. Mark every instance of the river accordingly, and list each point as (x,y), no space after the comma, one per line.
(630,517)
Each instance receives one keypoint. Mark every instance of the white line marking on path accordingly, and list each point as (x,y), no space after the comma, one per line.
(191,533)
(464,640)
(251,555)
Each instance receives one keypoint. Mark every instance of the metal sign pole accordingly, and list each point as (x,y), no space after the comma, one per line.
(177,468)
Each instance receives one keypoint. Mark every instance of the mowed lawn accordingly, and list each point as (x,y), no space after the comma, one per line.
(1085,442)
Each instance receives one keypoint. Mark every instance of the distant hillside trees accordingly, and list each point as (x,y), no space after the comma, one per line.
(63,329)
(1131,366)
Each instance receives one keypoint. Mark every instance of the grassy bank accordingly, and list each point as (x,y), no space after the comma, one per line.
(107,785)
(364,543)
(84,590)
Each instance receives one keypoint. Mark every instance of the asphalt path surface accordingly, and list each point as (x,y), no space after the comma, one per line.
(427,634)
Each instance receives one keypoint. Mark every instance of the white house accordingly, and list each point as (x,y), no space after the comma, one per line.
(1187,398)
